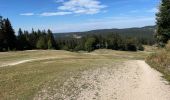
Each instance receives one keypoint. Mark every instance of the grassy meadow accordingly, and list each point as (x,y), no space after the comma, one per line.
(23,81)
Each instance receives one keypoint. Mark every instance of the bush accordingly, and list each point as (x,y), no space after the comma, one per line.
(90,44)
(140,47)
(131,47)
(65,48)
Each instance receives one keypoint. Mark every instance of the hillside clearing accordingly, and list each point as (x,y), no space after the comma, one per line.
(102,75)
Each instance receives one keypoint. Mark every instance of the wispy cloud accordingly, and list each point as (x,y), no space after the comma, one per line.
(55,13)
(27,14)
(73,7)
(59,1)
(153,10)
(82,6)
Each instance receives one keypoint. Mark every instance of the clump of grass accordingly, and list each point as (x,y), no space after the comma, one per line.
(161,61)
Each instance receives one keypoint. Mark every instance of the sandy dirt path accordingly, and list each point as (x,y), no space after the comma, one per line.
(135,80)
(31,60)
(129,80)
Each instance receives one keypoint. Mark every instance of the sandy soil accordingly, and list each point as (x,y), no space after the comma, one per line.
(129,80)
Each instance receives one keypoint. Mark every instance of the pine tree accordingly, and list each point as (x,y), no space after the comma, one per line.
(51,40)
(22,40)
(50,46)
(42,43)
(1,34)
(20,32)
(1,21)
(9,35)
(163,22)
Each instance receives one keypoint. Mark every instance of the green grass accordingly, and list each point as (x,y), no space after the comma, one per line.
(23,81)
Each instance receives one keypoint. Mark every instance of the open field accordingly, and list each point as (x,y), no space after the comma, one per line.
(102,75)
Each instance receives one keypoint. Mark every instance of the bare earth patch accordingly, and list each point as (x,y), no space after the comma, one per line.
(128,80)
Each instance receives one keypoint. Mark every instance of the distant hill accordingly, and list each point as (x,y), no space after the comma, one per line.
(146,32)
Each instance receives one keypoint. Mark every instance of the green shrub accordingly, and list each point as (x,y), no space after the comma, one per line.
(140,47)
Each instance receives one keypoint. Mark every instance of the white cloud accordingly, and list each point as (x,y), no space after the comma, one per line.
(82,6)
(27,14)
(74,7)
(55,13)
(59,1)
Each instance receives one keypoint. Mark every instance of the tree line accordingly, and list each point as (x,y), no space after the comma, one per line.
(42,39)
(24,40)
(93,42)
(36,40)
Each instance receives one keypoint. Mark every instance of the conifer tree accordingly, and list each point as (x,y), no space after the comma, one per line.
(42,43)
(50,46)
(22,40)
(1,34)
(9,35)
(163,22)
(20,32)
(51,40)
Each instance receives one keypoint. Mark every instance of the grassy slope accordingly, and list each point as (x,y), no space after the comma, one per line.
(23,81)
(161,61)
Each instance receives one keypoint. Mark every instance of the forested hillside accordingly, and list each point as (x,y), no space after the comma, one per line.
(144,34)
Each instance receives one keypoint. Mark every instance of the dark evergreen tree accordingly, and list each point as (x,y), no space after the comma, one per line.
(9,40)
(51,40)
(1,34)
(23,40)
(20,32)
(20,39)
(163,23)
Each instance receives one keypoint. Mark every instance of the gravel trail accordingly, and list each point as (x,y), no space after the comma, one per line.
(129,80)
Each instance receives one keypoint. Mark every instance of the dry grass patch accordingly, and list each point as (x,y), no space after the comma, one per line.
(161,61)
(24,81)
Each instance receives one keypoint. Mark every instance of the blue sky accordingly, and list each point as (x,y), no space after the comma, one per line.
(79,15)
